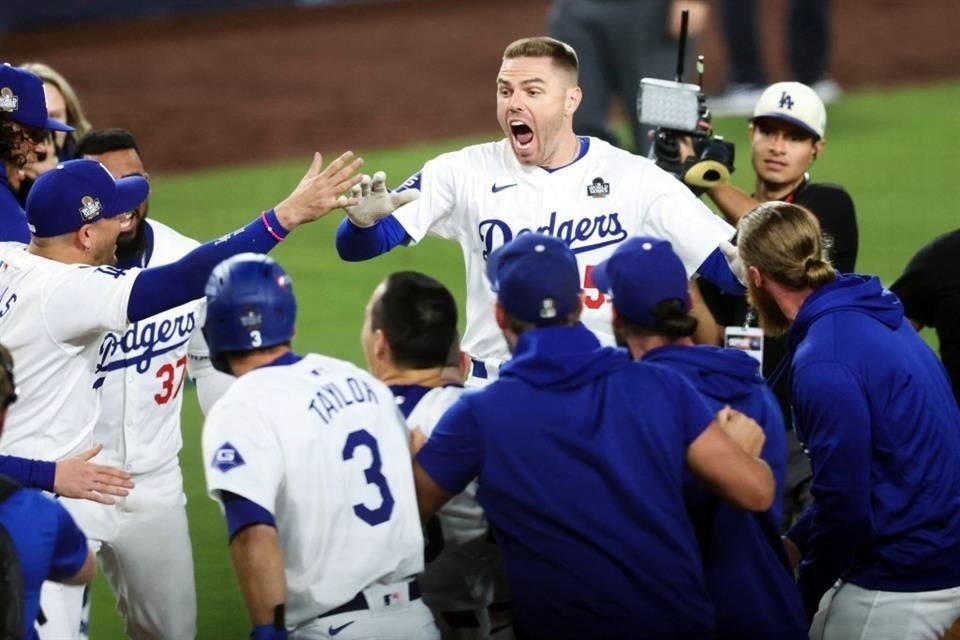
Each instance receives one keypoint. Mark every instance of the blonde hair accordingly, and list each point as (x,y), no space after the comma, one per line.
(784,242)
(562,54)
(49,75)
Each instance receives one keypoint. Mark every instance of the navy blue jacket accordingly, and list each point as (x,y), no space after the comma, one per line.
(876,413)
(581,456)
(49,543)
(747,575)
(13,220)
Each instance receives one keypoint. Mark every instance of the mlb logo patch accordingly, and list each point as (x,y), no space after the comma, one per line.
(598,188)
(226,457)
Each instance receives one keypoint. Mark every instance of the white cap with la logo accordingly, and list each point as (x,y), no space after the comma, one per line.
(793,102)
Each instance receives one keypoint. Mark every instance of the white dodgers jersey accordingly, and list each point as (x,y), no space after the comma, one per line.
(482,197)
(459,571)
(321,445)
(144,370)
(52,319)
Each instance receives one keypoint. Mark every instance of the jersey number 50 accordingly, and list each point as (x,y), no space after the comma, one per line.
(381,514)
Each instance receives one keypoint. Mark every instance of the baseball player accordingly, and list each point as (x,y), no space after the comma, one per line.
(310,460)
(141,543)
(747,576)
(580,456)
(50,324)
(46,540)
(410,342)
(541,177)
(880,546)
(23,133)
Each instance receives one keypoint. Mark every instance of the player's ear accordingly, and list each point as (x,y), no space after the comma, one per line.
(754,274)
(84,238)
(576,312)
(500,315)
(574,97)
(381,348)
(464,365)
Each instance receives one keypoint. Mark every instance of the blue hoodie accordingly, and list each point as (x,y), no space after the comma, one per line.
(581,455)
(13,220)
(747,574)
(875,411)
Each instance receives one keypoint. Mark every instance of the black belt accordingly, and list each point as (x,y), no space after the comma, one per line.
(359,602)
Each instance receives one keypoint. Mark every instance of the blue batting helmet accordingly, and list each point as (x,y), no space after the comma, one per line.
(250,305)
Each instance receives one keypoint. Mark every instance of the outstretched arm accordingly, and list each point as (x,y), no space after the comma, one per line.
(317,194)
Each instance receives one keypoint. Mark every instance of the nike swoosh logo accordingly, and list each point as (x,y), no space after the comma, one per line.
(332,631)
(496,189)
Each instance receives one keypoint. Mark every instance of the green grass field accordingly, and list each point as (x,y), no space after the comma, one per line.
(892,150)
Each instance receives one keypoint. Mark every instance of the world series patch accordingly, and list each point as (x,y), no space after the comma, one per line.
(598,188)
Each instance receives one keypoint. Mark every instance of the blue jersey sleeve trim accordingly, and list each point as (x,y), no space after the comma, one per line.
(242,513)
(36,474)
(160,288)
(715,269)
(355,244)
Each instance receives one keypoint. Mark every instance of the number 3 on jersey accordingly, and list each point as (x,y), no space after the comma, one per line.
(381,514)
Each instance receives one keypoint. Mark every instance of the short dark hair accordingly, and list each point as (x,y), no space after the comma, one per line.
(8,387)
(562,54)
(671,319)
(99,141)
(418,317)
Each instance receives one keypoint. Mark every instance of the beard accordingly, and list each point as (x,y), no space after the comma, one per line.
(132,244)
(772,320)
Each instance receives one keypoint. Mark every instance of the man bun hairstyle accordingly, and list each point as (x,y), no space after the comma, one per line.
(784,241)
(562,54)
(671,319)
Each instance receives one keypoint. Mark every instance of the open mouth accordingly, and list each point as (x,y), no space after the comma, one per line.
(522,133)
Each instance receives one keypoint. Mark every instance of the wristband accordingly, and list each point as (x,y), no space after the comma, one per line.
(273,226)
(268,632)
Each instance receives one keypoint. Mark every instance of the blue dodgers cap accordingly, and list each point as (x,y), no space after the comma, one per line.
(80,192)
(640,274)
(536,278)
(21,96)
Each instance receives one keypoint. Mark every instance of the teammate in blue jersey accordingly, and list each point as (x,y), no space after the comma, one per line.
(48,543)
(747,574)
(580,455)
(880,545)
(540,177)
(23,134)
(410,342)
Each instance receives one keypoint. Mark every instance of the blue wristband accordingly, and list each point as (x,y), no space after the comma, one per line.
(268,632)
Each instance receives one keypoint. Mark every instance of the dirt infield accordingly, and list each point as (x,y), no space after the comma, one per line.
(255,85)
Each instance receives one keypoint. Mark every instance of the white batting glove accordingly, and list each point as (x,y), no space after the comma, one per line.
(733,260)
(376,202)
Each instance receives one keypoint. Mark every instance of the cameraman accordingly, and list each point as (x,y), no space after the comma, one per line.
(786,137)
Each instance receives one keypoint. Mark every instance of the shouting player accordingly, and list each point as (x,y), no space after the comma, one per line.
(542,177)
(310,460)
(410,343)
(141,545)
(60,295)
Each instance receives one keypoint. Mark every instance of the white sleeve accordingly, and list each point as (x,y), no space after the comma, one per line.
(678,216)
(211,384)
(433,211)
(241,454)
(86,302)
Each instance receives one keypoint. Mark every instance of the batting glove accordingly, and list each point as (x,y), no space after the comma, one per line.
(376,202)
(734,260)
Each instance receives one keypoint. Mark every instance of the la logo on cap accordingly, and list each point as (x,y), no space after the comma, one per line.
(8,100)
(786,101)
(90,207)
